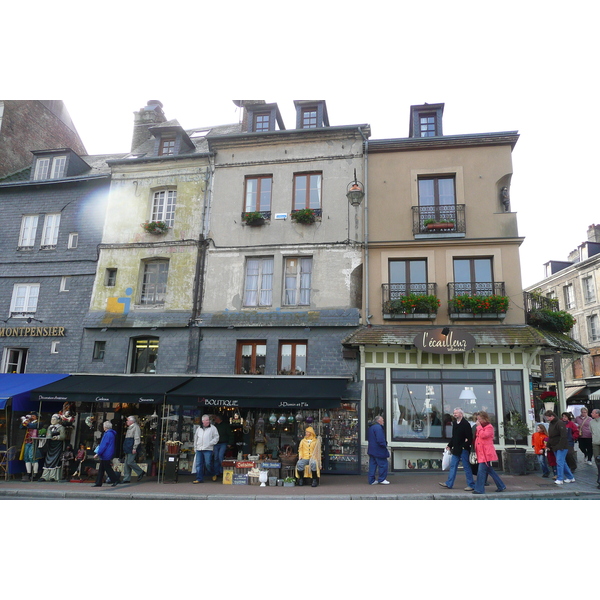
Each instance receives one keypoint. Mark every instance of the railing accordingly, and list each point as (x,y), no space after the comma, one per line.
(485,299)
(534,301)
(446,219)
(409,301)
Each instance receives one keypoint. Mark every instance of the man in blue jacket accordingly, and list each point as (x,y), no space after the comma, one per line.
(378,452)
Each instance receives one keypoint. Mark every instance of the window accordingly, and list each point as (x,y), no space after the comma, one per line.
(167,146)
(292,358)
(258,290)
(64,283)
(99,350)
(154,283)
(145,355)
(375,395)
(298,276)
(73,241)
(110,277)
(258,193)
(436,192)
(589,293)
(14,360)
(577,369)
(54,347)
(593,331)
(407,277)
(473,276)
(251,357)
(569,296)
(29,225)
(50,232)
(24,299)
(54,166)
(309,118)
(163,206)
(596,365)
(262,121)
(427,125)
(307,191)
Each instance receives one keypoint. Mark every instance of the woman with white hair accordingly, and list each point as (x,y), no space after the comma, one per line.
(105,453)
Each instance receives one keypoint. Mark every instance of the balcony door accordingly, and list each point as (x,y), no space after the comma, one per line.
(407,277)
(437,199)
(473,276)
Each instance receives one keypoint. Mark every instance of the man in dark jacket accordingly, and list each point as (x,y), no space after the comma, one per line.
(460,446)
(378,452)
(558,442)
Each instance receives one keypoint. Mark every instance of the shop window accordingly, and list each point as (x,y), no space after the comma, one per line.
(298,277)
(258,288)
(145,355)
(14,360)
(99,350)
(513,396)
(375,395)
(251,357)
(307,191)
(258,193)
(154,283)
(29,225)
(423,401)
(292,358)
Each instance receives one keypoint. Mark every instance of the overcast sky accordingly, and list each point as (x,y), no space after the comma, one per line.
(498,66)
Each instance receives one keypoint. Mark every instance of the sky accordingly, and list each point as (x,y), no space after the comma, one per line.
(528,66)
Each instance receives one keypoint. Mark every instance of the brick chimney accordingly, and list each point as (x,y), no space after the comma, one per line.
(148,116)
(593,233)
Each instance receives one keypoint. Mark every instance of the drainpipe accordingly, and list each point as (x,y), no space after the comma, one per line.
(366,225)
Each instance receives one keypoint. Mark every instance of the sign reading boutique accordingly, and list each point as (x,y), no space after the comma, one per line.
(444,341)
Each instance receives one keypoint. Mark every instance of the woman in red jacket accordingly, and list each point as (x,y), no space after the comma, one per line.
(484,447)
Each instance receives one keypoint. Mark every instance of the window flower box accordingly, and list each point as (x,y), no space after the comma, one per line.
(253,219)
(155,227)
(432,225)
(482,307)
(305,216)
(412,306)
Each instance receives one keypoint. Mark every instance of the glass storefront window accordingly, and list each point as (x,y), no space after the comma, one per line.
(375,394)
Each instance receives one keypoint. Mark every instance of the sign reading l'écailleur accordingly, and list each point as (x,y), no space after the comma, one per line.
(436,342)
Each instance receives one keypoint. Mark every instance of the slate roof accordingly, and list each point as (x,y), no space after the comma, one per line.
(485,335)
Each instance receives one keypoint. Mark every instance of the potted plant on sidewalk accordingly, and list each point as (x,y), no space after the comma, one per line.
(515,429)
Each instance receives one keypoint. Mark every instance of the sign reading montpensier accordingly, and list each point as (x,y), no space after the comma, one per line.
(435,342)
(32,331)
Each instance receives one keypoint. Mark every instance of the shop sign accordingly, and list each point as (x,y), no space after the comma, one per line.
(32,332)
(140,400)
(435,342)
(239,479)
(270,465)
(244,464)
(550,368)
(218,402)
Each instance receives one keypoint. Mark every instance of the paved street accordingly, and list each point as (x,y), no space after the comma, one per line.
(403,486)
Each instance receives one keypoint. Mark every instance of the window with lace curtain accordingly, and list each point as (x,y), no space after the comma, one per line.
(251,357)
(298,276)
(258,286)
(292,358)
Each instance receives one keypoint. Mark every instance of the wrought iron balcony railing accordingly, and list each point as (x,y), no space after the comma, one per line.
(439,219)
(409,301)
(485,299)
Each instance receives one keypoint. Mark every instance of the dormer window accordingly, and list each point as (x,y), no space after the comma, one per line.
(311,114)
(309,118)
(261,117)
(57,164)
(427,125)
(55,167)
(262,121)
(167,146)
(426,120)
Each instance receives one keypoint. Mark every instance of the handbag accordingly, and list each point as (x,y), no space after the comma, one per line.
(446,459)
(473,457)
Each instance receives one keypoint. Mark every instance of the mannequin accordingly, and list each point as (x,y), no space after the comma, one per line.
(309,456)
(54,443)
(29,452)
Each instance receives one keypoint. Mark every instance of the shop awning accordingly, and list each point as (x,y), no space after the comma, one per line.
(573,391)
(18,386)
(136,389)
(261,392)
(595,395)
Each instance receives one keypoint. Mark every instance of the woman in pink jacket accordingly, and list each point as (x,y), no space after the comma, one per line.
(484,447)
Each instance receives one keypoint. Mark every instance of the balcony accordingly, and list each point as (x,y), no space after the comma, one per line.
(439,221)
(481,300)
(544,313)
(402,301)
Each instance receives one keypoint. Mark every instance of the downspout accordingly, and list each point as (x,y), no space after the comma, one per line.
(366,225)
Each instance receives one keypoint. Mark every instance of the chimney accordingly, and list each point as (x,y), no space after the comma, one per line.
(148,116)
(593,233)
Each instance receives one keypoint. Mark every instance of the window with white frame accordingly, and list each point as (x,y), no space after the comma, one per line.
(50,232)
(50,168)
(14,360)
(42,166)
(64,283)
(589,293)
(73,241)
(569,296)
(593,331)
(298,276)
(28,231)
(54,347)
(59,164)
(99,350)
(258,287)
(24,299)
(307,191)
(154,283)
(163,206)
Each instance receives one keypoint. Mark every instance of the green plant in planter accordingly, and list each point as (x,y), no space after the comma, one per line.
(413,303)
(289,480)
(304,215)
(155,227)
(253,218)
(515,428)
(557,320)
(429,222)
(479,304)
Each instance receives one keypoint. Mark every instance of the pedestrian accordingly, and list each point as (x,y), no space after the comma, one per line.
(474,466)
(559,444)
(572,436)
(105,452)
(460,446)
(226,440)
(378,452)
(538,441)
(131,448)
(595,428)
(486,453)
(583,422)
(205,438)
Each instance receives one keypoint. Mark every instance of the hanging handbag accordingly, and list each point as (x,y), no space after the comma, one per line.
(473,457)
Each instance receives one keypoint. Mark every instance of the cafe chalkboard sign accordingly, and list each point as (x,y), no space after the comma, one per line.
(435,342)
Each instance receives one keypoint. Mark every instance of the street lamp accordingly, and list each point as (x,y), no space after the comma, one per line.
(355,191)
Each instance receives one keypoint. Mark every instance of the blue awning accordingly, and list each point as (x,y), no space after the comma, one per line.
(19,385)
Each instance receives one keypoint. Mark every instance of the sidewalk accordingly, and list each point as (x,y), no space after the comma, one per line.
(403,486)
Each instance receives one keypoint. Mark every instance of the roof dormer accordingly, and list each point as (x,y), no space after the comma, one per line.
(56,164)
(171,139)
(426,120)
(260,117)
(311,114)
